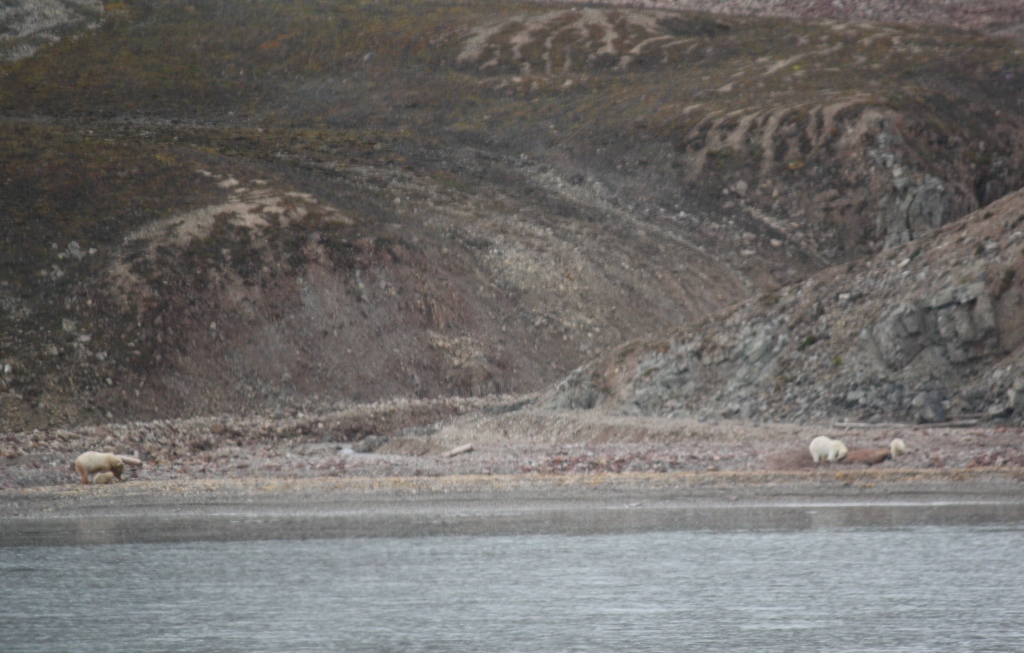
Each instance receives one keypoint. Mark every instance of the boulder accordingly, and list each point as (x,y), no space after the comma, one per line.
(927,408)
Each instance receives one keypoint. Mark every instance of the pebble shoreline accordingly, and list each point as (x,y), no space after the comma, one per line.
(414,439)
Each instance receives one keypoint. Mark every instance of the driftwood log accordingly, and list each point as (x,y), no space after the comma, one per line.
(466,448)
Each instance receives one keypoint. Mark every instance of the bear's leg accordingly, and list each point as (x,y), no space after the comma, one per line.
(82,473)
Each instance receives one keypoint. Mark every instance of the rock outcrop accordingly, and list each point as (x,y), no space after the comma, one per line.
(27,25)
(929,331)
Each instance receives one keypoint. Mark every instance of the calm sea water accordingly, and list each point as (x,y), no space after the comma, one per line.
(922,589)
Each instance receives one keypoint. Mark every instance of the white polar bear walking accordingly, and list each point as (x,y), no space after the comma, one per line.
(827,448)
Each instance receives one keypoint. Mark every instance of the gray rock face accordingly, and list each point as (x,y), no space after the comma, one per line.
(899,337)
(1015,396)
(928,408)
(917,207)
(912,334)
(575,392)
(959,319)
(27,25)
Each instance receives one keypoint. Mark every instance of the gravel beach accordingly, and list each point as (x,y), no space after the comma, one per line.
(419,439)
(492,465)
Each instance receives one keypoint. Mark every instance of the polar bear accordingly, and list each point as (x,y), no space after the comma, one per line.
(92,462)
(827,448)
(897,447)
(104,478)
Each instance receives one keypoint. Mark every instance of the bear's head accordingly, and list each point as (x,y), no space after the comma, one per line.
(841,450)
(897,447)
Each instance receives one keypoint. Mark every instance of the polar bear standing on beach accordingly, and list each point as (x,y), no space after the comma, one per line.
(93,462)
(827,448)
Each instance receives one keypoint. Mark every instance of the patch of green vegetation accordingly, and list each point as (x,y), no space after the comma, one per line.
(807,342)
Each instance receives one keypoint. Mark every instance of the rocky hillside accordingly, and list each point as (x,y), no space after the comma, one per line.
(929,331)
(227,206)
(999,16)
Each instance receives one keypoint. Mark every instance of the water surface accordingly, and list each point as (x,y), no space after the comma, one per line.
(918,589)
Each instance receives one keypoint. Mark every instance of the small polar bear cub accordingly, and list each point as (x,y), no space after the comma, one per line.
(827,448)
(897,447)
